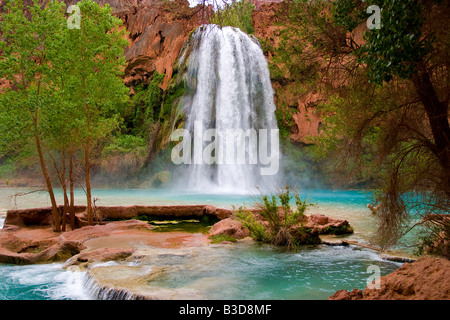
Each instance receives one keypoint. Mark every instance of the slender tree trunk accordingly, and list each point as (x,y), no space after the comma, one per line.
(48,182)
(64,186)
(87,169)
(437,113)
(72,195)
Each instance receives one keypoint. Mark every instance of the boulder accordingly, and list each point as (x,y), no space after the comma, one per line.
(326,225)
(229,227)
(425,279)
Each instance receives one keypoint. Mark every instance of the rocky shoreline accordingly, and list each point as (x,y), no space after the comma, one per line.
(425,279)
(28,238)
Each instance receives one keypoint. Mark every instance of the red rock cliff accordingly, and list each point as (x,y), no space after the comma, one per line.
(157,31)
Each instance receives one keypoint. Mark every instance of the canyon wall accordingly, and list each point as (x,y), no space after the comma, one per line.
(157,31)
(305,120)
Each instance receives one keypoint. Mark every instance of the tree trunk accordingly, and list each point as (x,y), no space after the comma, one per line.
(88,181)
(72,195)
(64,186)
(437,113)
(86,167)
(48,182)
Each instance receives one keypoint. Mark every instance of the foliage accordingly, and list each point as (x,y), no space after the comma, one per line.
(395,48)
(124,144)
(237,14)
(280,222)
(434,237)
(146,106)
(64,90)
(384,100)
(258,230)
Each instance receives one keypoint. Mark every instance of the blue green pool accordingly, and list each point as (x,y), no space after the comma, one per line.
(244,271)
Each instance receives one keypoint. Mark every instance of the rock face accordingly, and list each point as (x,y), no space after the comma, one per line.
(426,279)
(158,30)
(229,227)
(302,107)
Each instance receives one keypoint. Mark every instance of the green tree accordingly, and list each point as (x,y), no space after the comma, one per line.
(27,33)
(236,14)
(409,50)
(65,89)
(384,98)
(405,47)
(94,54)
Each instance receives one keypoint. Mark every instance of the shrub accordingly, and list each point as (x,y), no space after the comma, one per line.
(278,222)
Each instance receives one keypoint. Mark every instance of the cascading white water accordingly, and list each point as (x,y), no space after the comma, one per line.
(228,87)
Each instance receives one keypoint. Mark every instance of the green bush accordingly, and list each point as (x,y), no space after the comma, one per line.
(279,223)
(123,144)
(146,106)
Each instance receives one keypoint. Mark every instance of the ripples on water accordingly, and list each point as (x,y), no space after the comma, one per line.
(243,271)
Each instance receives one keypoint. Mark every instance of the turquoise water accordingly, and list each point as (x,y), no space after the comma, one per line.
(243,271)
(254,271)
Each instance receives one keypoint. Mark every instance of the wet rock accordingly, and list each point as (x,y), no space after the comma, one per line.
(229,227)
(99,255)
(135,283)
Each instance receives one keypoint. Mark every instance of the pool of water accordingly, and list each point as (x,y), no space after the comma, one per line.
(242,271)
(350,205)
(255,271)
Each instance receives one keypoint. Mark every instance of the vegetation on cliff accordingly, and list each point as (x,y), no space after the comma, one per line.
(235,14)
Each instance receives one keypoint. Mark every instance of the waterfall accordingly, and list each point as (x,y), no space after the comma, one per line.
(228,90)
(98,291)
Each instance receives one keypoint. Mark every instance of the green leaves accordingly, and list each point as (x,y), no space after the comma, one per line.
(395,48)
(237,14)
(59,76)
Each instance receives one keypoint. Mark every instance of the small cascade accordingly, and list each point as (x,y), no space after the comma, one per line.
(100,292)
